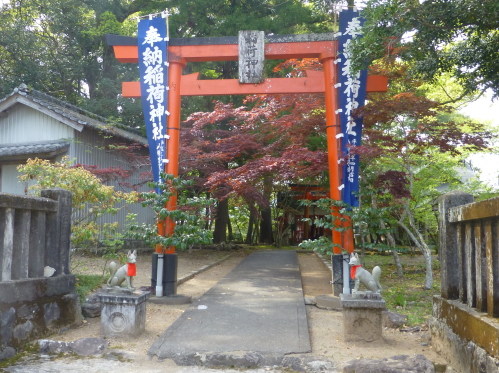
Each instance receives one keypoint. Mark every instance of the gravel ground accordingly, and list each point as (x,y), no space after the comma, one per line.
(325,326)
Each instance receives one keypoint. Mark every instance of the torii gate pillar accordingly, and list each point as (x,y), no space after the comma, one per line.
(332,125)
(173,131)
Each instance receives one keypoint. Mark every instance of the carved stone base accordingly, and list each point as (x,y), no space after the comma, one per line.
(123,313)
(366,295)
(362,318)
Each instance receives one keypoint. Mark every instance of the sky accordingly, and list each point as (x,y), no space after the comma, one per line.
(485,109)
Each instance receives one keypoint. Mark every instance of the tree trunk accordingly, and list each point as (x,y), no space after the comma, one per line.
(425,250)
(398,264)
(362,249)
(207,225)
(279,232)
(266,222)
(249,234)
(391,243)
(266,227)
(229,228)
(256,232)
(396,257)
(220,232)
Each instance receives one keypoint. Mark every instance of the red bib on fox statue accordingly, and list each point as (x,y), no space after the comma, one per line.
(353,271)
(131,269)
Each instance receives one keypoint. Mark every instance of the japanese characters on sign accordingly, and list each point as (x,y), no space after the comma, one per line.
(153,67)
(251,56)
(352,94)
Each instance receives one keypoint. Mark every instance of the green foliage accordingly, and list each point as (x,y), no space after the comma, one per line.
(58,47)
(108,25)
(478,189)
(239,213)
(86,284)
(436,37)
(112,242)
(323,245)
(223,18)
(445,88)
(366,221)
(45,47)
(188,216)
(332,222)
(91,198)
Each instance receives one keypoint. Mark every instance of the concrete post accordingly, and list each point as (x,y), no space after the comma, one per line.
(37,244)
(448,243)
(59,234)
(20,257)
(7,244)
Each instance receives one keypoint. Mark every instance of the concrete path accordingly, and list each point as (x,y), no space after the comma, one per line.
(252,317)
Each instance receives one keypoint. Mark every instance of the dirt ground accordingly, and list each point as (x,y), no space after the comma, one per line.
(325,326)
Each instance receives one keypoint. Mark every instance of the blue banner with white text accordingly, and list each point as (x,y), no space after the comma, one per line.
(153,67)
(352,95)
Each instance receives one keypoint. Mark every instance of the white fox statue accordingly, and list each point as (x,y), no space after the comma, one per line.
(362,276)
(126,272)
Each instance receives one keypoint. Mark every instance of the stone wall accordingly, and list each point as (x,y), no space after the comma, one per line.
(453,328)
(465,320)
(35,308)
(34,234)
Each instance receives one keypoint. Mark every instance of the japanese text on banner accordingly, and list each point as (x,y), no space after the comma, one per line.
(352,95)
(153,67)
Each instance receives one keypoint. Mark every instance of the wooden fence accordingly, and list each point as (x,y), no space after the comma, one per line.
(34,233)
(469,251)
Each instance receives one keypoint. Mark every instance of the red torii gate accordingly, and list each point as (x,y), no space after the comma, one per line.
(181,51)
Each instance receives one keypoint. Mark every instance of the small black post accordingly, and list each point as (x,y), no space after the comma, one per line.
(170,265)
(337,263)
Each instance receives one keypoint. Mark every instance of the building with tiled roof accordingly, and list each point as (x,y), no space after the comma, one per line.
(36,125)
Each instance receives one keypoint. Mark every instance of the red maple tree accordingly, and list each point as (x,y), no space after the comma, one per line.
(247,150)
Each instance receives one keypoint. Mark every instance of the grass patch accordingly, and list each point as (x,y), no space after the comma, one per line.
(406,295)
(87,283)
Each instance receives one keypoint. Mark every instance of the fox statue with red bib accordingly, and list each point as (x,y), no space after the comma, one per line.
(362,276)
(126,272)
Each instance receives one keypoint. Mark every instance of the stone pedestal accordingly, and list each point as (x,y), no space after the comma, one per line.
(362,316)
(123,312)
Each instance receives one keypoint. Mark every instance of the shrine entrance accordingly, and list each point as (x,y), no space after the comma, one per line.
(180,51)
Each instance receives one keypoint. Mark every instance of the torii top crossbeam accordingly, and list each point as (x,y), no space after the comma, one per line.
(226,49)
(181,51)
